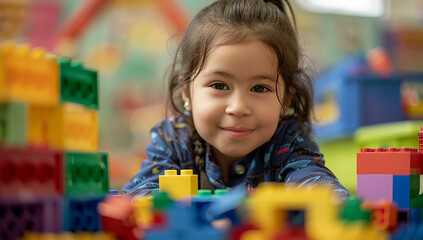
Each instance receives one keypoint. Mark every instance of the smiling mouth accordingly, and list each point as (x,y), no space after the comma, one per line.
(238,132)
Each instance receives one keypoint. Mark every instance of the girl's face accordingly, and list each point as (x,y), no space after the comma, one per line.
(234,102)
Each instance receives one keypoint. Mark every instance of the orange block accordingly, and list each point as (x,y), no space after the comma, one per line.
(28,75)
(396,161)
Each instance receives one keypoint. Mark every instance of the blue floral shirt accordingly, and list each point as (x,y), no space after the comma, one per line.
(291,155)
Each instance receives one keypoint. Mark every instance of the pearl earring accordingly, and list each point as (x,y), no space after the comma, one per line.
(186,106)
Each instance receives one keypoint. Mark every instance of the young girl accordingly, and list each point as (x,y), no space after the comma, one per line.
(242,103)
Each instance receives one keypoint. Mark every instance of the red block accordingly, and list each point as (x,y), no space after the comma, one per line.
(28,171)
(395,161)
(118,217)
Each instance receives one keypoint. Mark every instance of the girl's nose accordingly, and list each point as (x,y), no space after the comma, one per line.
(238,105)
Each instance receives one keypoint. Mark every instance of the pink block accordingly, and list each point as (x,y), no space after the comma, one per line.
(375,187)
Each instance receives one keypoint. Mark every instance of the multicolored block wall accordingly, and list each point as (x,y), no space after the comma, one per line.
(52,175)
(393,174)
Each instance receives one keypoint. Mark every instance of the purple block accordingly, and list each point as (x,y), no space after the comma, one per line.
(375,187)
(30,214)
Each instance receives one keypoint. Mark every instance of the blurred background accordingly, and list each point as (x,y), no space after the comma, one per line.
(367,56)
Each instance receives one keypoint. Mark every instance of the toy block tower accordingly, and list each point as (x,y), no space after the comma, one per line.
(51,174)
(393,174)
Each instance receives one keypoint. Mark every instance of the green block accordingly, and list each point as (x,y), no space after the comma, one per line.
(352,212)
(161,201)
(13,117)
(414,186)
(77,84)
(416,202)
(86,173)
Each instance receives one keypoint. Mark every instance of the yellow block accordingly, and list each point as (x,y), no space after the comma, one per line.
(28,75)
(73,128)
(38,124)
(270,203)
(179,186)
(144,211)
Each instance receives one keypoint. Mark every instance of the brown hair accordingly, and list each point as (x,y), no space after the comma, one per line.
(226,22)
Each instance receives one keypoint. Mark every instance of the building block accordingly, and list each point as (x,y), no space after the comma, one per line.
(179,186)
(384,214)
(396,161)
(401,190)
(77,84)
(13,127)
(38,125)
(118,217)
(27,171)
(225,205)
(182,225)
(143,211)
(353,212)
(80,214)
(28,75)
(73,128)
(416,215)
(375,187)
(408,232)
(86,173)
(18,215)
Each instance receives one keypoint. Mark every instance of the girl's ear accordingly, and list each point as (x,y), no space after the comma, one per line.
(184,91)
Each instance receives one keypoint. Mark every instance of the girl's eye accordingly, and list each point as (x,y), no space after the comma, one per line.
(260,88)
(219,86)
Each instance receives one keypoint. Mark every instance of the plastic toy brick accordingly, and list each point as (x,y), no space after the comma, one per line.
(161,201)
(397,161)
(86,173)
(179,186)
(375,187)
(24,171)
(353,212)
(408,232)
(384,214)
(401,190)
(68,236)
(13,117)
(225,205)
(38,125)
(118,217)
(182,225)
(416,215)
(28,214)
(28,75)
(77,84)
(73,128)
(80,214)
(143,211)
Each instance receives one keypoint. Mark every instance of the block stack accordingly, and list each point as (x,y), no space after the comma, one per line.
(51,174)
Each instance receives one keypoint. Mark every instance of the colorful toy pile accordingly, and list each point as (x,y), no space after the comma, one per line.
(52,175)
(54,182)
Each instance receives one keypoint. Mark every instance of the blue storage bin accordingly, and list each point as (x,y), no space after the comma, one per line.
(349,96)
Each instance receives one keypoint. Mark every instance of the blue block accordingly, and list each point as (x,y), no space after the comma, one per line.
(80,213)
(408,232)
(401,191)
(226,206)
(415,215)
(182,224)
